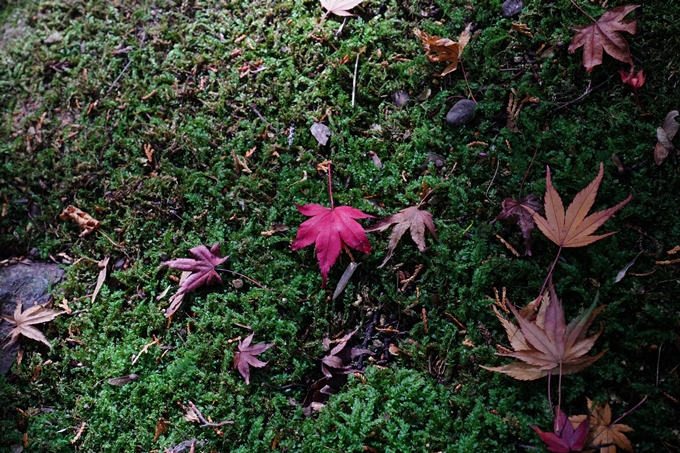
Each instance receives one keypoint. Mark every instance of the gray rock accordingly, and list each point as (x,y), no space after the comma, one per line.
(400,98)
(461,113)
(511,8)
(29,283)
(321,133)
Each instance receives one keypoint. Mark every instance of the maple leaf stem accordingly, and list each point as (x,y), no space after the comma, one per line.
(549,390)
(637,98)
(466,81)
(241,275)
(319,24)
(630,410)
(330,186)
(559,390)
(550,272)
(573,3)
(422,200)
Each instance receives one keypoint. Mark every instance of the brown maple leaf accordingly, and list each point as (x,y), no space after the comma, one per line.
(521,212)
(665,135)
(604,35)
(443,49)
(244,358)
(548,344)
(603,431)
(411,218)
(23,320)
(573,228)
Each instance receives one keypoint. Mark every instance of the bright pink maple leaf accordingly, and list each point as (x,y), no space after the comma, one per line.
(329,228)
(565,439)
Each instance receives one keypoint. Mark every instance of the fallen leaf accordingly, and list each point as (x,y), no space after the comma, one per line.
(23,320)
(440,49)
(329,229)
(102,276)
(161,428)
(412,218)
(338,359)
(603,431)
(574,229)
(244,358)
(636,81)
(521,213)
(604,35)
(202,271)
(342,283)
(83,219)
(566,437)
(548,345)
(665,135)
(622,272)
(123,380)
(340,7)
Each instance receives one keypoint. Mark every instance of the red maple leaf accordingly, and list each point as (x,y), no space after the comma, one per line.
(202,272)
(567,436)
(245,357)
(329,229)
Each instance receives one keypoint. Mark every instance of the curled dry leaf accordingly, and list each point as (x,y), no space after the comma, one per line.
(548,344)
(338,359)
(665,135)
(604,36)
(83,219)
(440,49)
(411,218)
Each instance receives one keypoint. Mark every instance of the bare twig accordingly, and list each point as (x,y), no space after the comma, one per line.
(119,76)
(486,194)
(587,92)
(259,115)
(521,186)
(354,80)
(204,422)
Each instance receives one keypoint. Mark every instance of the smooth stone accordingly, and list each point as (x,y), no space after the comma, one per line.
(511,8)
(461,113)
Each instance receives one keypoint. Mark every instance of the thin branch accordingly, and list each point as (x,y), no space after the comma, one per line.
(354,80)
(521,186)
(330,186)
(220,269)
(118,78)
(587,92)
(205,422)
(466,82)
(257,112)
(422,200)
(486,194)
(630,410)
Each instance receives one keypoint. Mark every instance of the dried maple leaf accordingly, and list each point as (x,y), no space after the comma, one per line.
(329,229)
(566,437)
(244,358)
(548,344)
(521,212)
(23,320)
(338,359)
(603,431)
(83,219)
(665,135)
(573,228)
(202,272)
(604,35)
(411,218)
(443,49)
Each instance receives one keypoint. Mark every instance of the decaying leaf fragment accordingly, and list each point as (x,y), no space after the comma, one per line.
(665,135)
(573,228)
(521,213)
(22,322)
(440,49)
(83,219)
(603,431)
(605,36)
(548,344)
(338,359)
(412,218)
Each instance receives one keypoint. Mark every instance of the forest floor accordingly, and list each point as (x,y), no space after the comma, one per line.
(180,123)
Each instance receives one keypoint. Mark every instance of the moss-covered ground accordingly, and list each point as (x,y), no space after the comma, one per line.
(205,84)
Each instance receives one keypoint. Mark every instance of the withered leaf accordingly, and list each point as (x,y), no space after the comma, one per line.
(440,49)
(21,322)
(573,228)
(566,437)
(244,358)
(412,218)
(123,380)
(604,35)
(548,344)
(83,219)
(603,431)
(202,271)
(339,358)
(665,135)
(521,213)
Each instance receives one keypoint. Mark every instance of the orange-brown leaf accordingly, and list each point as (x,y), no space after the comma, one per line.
(603,36)
(548,344)
(410,218)
(572,228)
(440,49)
(603,431)
(21,322)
